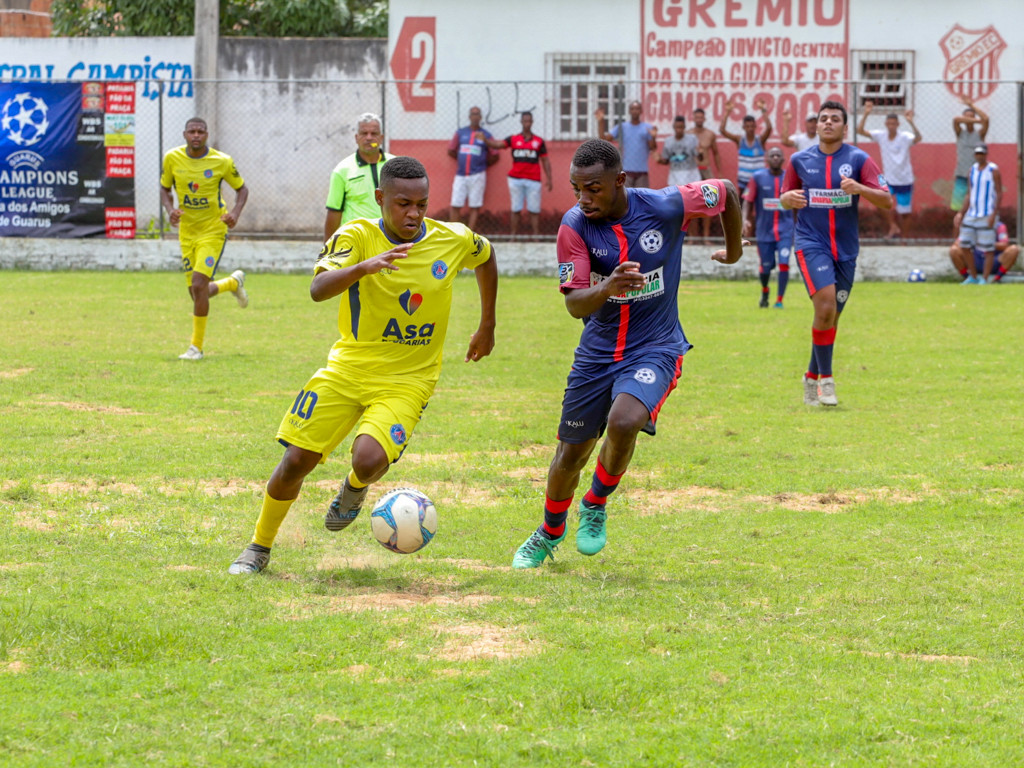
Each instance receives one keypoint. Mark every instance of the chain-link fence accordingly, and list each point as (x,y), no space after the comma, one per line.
(287,135)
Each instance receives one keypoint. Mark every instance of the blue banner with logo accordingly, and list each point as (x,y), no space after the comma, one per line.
(67,159)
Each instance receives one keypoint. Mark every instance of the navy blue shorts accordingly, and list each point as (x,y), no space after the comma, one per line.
(592,388)
(820,269)
(767,250)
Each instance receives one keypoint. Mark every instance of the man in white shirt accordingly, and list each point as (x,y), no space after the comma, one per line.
(894,145)
(800,141)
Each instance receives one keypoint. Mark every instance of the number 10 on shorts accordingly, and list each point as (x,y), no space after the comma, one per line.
(304,403)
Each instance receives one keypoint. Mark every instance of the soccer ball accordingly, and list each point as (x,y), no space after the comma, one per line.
(404,521)
(24,119)
(916,276)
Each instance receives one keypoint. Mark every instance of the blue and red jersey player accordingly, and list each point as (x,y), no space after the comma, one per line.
(619,260)
(825,184)
(773,225)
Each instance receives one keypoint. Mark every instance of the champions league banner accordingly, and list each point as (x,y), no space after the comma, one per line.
(67,159)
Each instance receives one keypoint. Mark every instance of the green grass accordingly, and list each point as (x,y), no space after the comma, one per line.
(783,586)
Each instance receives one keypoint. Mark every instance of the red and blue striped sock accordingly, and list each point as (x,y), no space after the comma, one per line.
(823,341)
(783,280)
(554,517)
(602,486)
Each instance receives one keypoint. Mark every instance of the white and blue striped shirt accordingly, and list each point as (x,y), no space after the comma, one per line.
(983,191)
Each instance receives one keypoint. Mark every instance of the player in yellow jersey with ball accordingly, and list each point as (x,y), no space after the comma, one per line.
(394,276)
(195,171)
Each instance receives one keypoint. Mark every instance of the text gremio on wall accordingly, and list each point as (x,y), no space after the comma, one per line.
(742,44)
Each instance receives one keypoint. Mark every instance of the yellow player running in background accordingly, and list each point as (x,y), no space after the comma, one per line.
(195,172)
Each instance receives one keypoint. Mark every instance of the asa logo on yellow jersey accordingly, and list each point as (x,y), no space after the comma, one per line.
(412,333)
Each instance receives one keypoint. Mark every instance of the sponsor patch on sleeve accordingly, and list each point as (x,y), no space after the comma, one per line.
(566,271)
(710,193)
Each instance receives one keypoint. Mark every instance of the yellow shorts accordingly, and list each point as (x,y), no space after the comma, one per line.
(331,403)
(202,254)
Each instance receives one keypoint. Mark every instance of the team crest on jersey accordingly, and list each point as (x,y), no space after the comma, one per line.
(882,182)
(410,301)
(209,261)
(208,173)
(845,170)
(439,269)
(398,434)
(193,187)
(565,272)
(842,296)
(651,241)
(645,376)
(710,193)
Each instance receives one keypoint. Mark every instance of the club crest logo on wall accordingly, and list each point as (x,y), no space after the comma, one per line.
(972,55)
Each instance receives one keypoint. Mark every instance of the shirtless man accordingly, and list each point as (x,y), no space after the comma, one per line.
(707,147)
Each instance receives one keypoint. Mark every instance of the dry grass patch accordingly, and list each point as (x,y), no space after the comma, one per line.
(15,373)
(82,487)
(75,405)
(17,566)
(673,500)
(469,642)
(378,601)
(32,521)
(935,658)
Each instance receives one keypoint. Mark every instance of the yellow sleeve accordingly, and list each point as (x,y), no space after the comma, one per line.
(231,174)
(342,250)
(167,173)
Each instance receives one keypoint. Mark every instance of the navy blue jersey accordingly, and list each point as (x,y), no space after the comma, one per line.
(829,222)
(650,233)
(773,223)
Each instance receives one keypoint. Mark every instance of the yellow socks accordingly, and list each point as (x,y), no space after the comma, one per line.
(228,284)
(198,331)
(354,482)
(271,516)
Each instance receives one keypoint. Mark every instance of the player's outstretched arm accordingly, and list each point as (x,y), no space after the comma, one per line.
(732,224)
(482,342)
(583,302)
(329,283)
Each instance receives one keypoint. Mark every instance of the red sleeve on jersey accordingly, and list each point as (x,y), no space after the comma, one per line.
(750,195)
(573,260)
(791,180)
(454,143)
(871,176)
(702,199)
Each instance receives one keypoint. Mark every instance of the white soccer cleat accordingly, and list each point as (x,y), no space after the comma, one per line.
(827,391)
(810,391)
(192,353)
(240,293)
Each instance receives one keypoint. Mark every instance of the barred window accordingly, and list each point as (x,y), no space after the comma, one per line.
(584,83)
(884,77)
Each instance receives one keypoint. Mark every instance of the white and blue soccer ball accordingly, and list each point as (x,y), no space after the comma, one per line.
(24,119)
(916,276)
(404,521)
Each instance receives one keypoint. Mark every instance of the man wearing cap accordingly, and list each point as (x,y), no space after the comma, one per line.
(800,141)
(978,227)
(354,179)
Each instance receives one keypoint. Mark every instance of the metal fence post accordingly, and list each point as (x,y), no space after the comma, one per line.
(160,148)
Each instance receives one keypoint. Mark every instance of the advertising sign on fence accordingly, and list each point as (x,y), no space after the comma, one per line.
(67,159)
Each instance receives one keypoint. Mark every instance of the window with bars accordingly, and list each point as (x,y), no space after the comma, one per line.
(582,86)
(883,78)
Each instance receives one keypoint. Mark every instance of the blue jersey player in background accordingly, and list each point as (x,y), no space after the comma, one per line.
(772,225)
(825,184)
(619,258)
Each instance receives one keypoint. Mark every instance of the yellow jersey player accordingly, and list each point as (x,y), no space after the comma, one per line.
(195,172)
(394,276)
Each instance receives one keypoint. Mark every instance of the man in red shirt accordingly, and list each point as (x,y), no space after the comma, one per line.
(529,153)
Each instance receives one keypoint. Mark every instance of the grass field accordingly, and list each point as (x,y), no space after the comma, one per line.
(783,585)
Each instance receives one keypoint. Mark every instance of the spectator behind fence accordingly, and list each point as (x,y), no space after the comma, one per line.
(472,158)
(750,157)
(800,141)
(529,154)
(636,139)
(894,145)
(1003,258)
(194,172)
(355,179)
(707,145)
(680,154)
(966,140)
(978,226)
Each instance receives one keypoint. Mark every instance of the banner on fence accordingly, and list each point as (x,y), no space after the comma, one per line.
(67,159)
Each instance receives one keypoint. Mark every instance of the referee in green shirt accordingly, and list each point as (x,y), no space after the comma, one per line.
(354,179)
